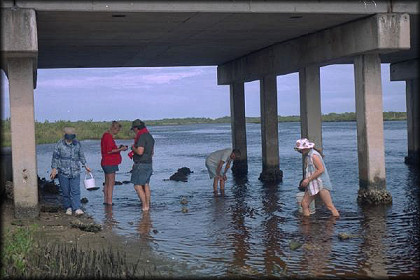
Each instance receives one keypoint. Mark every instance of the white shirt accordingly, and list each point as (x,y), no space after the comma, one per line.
(221,155)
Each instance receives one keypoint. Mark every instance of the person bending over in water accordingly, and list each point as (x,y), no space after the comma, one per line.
(214,164)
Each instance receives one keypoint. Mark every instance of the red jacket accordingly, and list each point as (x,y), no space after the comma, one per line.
(107,145)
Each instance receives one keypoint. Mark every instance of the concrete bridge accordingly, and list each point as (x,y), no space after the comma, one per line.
(247,40)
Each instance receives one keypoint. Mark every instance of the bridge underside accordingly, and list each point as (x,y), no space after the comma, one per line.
(247,40)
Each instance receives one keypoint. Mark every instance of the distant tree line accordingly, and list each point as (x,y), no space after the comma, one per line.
(50,132)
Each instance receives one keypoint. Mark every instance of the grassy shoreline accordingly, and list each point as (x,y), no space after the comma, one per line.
(50,132)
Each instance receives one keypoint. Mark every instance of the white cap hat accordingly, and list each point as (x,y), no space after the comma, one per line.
(303,144)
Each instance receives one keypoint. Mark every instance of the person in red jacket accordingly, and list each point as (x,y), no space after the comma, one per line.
(111,158)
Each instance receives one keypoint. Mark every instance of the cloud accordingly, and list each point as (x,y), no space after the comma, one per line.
(142,78)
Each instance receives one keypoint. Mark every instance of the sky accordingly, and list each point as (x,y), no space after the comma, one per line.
(106,94)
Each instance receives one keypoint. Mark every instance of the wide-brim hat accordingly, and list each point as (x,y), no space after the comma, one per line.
(303,144)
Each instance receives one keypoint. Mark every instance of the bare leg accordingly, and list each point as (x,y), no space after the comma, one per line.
(306,200)
(326,198)
(147,193)
(215,182)
(141,194)
(109,187)
(105,189)
(222,187)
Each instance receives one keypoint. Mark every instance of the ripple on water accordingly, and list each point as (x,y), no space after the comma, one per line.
(249,231)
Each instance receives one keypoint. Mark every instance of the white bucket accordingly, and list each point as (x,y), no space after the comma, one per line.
(90,182)
(299,197)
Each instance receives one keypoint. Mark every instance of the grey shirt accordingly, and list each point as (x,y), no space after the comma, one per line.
(147,142)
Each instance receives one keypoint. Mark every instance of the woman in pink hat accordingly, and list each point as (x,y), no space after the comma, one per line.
(317,181)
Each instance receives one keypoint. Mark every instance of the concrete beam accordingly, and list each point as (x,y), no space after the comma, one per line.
(238,6)
(380,33)
(406,70)
(19,38)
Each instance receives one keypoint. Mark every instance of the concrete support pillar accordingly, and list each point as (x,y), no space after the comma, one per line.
(310,105)
(408,71)
(370,137)
(269,130)
(22,120)
(413,121)
(19,51)
(238,121)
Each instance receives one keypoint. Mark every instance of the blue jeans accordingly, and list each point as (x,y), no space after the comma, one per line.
(70,191)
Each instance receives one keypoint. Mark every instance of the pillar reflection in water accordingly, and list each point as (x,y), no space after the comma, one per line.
(272,233)
(241,234)
(373,248)
(318,236)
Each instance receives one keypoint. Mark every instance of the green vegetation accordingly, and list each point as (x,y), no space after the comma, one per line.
(26,256)
(51,132)
(17,246)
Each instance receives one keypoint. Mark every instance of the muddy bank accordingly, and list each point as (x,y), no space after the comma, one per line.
(79,247)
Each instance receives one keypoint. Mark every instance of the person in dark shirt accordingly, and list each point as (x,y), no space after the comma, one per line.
(143,149)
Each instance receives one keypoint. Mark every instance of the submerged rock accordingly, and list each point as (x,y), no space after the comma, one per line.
(89,227)
(50,208)
(184,201)
(345,236)
(181,175)
(294,245)
(48,186)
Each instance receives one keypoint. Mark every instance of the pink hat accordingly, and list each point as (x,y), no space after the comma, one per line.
(303,144)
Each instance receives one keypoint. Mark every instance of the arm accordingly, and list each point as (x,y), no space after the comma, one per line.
(138,147)
(83,159)
(109,143)
(117,150)
(319,170)
(226,169)
(137,150)
(54,162)
(219,168)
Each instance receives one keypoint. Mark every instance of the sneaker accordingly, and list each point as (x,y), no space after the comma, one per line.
(68,211)
(79,212)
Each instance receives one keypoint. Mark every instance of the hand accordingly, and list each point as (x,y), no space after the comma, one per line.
(53,173)
(123,148)
(305,183)
(88,169)
(224,177)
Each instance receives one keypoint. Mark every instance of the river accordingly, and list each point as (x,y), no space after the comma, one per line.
(252,230)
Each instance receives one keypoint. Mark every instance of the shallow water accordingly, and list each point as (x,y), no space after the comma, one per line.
(250,230)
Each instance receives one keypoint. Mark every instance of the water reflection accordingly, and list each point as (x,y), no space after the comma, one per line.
(317,247)
(373,248)
(145,226)
(109,220)
(272,234)
(240,235)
